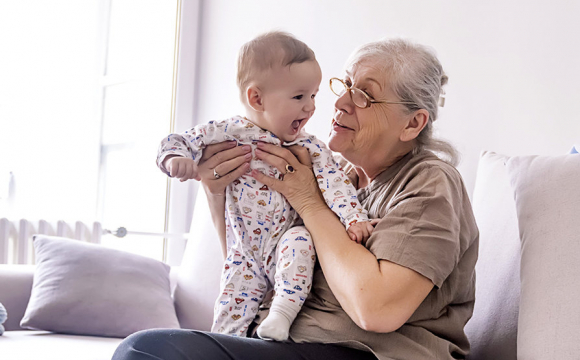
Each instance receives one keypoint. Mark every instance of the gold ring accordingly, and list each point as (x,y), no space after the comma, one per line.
(289,169)
(216,175)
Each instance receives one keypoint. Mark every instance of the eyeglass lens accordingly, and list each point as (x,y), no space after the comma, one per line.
(337,87)
(357,96)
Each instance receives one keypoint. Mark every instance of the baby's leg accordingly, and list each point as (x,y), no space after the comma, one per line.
(295,259)
(238,303)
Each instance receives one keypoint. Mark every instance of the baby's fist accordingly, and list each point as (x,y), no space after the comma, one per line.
(182,168)
(360,231)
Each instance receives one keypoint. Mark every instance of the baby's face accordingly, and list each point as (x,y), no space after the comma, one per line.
(288,99)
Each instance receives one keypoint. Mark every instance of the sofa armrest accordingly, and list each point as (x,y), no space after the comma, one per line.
(15,288)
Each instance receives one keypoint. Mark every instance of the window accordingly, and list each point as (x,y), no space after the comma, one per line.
(86,91)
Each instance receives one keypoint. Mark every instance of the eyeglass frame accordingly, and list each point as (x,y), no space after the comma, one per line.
(370,101)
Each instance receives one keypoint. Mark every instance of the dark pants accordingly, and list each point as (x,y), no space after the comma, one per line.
(178,344)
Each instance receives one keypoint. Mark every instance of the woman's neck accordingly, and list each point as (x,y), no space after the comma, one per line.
(368,169)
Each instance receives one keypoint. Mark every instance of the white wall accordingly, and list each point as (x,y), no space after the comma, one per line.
(513,65)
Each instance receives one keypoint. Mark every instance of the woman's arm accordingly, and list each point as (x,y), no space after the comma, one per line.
(378,295)
(217,208)
(231,162)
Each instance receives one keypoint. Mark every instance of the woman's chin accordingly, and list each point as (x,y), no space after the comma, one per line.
(336,143)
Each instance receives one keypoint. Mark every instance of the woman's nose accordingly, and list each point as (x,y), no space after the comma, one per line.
(344,103)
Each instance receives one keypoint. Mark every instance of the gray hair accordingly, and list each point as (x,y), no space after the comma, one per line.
(416,76)
(274,48)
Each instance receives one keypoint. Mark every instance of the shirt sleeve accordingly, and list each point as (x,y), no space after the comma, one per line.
(421,228)
(338,192)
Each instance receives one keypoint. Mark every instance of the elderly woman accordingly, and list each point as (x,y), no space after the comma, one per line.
(409,290)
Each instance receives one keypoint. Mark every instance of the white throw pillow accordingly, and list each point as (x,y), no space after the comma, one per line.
(198,282)
(492,330)
(547,195)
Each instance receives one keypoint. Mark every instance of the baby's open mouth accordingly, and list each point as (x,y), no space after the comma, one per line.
(296,124)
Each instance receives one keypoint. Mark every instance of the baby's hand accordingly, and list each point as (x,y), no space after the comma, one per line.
(182,168)
(360,231)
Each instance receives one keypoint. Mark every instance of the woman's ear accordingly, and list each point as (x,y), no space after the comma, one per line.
(415,125)
(254,98)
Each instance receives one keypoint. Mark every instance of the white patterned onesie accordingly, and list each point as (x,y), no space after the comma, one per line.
(266,247)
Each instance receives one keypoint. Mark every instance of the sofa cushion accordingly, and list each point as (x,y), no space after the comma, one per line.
(547,199)
(198,282)
(492,330)
(81,288)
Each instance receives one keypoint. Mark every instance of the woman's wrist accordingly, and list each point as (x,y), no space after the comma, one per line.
(214,196)
(311,209)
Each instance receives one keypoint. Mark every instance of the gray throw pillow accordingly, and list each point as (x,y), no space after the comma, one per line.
(88,289)
(547,199)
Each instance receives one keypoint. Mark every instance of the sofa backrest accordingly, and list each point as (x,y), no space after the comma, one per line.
(15,288)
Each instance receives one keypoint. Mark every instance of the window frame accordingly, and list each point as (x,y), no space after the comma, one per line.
(180,199)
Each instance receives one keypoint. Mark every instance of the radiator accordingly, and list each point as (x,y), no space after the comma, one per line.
(16,236)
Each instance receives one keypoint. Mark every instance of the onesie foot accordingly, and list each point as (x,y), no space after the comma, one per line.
(275,327)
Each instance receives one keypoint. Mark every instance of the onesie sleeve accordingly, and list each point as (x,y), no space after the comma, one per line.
(421,227)
(338,192)
(190,144)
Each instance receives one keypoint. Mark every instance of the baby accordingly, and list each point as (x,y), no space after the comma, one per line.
(278,77)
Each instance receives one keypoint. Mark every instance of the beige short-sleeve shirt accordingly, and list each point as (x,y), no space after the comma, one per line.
(427,225)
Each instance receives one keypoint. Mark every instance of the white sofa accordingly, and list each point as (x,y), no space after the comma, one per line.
(540,222)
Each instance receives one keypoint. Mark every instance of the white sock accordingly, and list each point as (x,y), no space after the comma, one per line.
(275,327)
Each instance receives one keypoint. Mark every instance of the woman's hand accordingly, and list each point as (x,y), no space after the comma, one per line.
(228,160)
(299,186)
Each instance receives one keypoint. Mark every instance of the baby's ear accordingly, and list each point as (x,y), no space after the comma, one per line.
(254,98)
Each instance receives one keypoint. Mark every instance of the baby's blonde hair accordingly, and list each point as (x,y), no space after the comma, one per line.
(274,48)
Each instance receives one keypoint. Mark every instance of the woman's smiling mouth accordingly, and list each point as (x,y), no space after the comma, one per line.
(338,126)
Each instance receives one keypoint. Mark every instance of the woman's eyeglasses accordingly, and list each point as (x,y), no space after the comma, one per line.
(360,98)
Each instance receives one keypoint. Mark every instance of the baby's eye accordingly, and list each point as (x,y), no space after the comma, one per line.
(298,97)
(313,96)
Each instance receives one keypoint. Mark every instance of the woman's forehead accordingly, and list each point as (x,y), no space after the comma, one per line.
(367,71)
